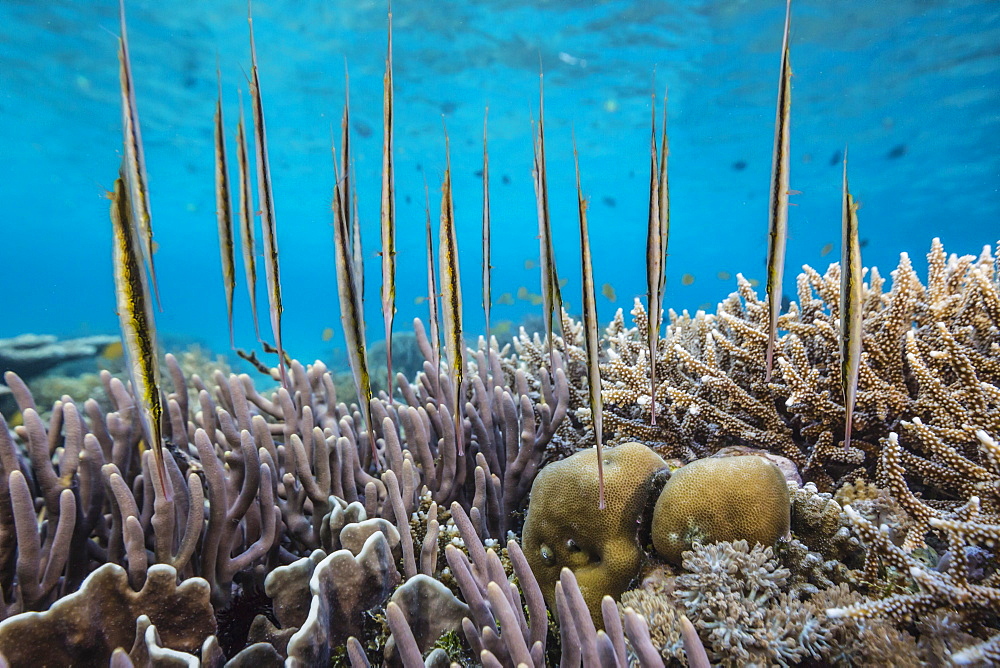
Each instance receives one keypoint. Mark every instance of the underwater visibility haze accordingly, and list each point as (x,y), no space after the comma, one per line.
(797,463)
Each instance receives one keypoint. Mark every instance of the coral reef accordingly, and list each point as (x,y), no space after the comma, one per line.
(31,355)
(566,529)
(727,499)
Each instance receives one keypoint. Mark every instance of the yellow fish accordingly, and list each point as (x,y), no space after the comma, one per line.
(522,293)
(327,333)
(826,250)
(529,264)
(113,351)
(417,301)
(506,298)
(723,275)
(687,279)
(503,328)
(609,292)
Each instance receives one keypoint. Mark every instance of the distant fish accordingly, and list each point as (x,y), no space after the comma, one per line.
(850,306)
(266,200)
(417,301)
(505,180)
(327,334)
(590,334)
(113,351)
(608,201)
(448,107)
(451,300)
(224,212)
(388,212)
(740,165)
(486,230)
(825,250)
(530,264)
(135,317)
(897,151)
(135,159)
(864,243)
(753,282)
(687,279)
(609,292)
(836,158)
(522,293)
(778,199)
(363,129)
(503,328)
(535,300)
(724,275)
(506,299)
(248,244)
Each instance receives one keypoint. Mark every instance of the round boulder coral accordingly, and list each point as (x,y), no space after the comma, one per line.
(565,528)
(727,499)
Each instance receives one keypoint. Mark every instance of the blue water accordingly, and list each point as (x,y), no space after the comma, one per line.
(913,87)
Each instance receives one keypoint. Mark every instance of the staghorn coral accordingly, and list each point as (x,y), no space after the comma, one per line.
(712,500)
(565,528)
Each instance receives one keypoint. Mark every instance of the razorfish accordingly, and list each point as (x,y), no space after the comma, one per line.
(135,317)
(432,293)
(388,213)
(850,306)
(266,198)
(551,297)
(657,234)
(778,200)
(451,298)
(135,159)
(248,243)
(486,229)
(591,339)
(351,315)
(224,212)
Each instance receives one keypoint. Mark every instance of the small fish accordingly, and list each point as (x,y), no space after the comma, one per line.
(135,317)
(417,301)
(687,279)
(327,334)
(591,340)
(535,300)
(609,292)
(224,212)
(506,299)
(388,213)
(609,202)
(432,290)
(778,199)
(530,264)
(451,299)
(522,293)
(551,297)
(850,306)
(825,250)
(724,275)
(898,151)
(505,180)
(836,158)
(135,159)
(248,244)
(503,328)
(113,351)
(753,282)
(740,165)
(351,315)
(486,229)
(266,206)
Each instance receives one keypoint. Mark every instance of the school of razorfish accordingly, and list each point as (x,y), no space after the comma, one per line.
(135,272)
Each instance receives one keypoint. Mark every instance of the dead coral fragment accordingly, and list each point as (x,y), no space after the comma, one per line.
(712,500)
(564,527)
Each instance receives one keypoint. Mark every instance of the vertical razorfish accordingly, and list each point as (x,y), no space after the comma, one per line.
(350,213)
(224,212)
(850,305)
(590,333)
(351,316)
(657,233)
(486,229)
(135,159)
(432,293)
(551,296)
(248,244)
(135,317)
(778,200)
(451,299)
(388,214)
(266,200)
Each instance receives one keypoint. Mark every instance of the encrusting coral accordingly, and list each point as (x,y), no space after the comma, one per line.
(565,529)
(721,499)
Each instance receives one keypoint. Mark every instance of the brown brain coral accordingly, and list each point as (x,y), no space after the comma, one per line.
(710,500)
(564,527)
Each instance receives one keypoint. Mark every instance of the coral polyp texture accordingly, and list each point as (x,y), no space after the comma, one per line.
(721,499)
(565,528)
